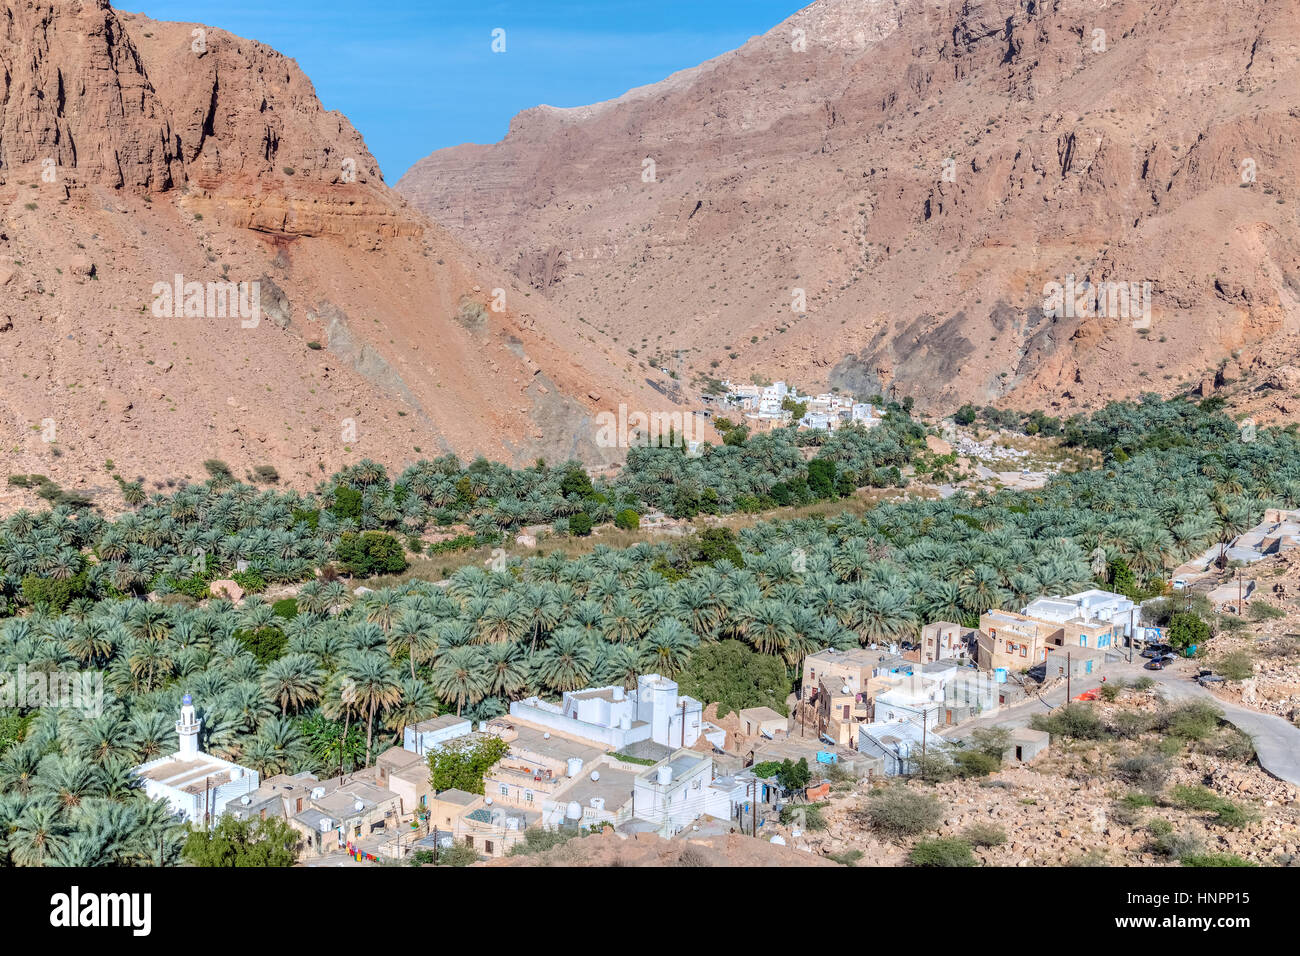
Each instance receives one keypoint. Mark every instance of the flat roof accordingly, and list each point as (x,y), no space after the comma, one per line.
(457,796)
(192,776)
(614,786)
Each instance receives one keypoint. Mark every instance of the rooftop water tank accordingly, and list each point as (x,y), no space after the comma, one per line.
(573,811)
(598,803)
(236,773)
(317,792)
(575,766)
(595,775)
(618,693)
(664,776)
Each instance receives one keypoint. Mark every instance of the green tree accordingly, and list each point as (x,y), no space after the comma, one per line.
(736,677)
(461,764)
(261,843)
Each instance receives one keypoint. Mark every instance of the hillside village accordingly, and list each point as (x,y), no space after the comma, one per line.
(649,762)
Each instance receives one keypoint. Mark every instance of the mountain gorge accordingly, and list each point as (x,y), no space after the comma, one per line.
(134,151)
(876,194)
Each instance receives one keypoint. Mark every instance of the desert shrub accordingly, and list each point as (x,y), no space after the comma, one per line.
(1226,812)
(1144,683)
(1169,842)
(846,857)
(627,520)
(266,473)
(944,851)
(472,315)
(809,816)
(1132,723)
(933,767)
(1094,857)
(458,854)
(218,468)
(580,524)
(537,840)
(994,741)
(976,763)
(1194,720)
(1229,744)
(1260,611)
(898,811)
(1074,721)
(1146,771)
(1236,666)
(985,834)
(1214,859)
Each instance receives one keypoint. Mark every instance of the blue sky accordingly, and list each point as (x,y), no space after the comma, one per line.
(414,77)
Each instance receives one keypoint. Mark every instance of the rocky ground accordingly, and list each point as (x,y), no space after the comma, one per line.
(1065,808)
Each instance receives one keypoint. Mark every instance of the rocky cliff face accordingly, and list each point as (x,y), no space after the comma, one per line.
(133,151)
(883,192)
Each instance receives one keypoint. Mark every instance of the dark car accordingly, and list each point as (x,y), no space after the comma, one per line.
(1155,664)
(1206,679)
(1156,650)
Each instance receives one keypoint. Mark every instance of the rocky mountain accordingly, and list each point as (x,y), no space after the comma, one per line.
(917,195)
(133,152)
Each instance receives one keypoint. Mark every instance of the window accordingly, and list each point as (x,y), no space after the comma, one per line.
(505,791)
(528,796)
(487,847)
(1024,650)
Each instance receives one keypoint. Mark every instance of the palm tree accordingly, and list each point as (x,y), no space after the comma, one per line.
(507,669)
(418,703)
(567,662)
(458,676)
(293,680)
(39,835)
(415,636)
(377,685)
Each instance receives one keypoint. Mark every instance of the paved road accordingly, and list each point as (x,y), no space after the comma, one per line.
(1277,741)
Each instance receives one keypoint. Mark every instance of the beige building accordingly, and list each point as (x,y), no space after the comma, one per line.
(407,775)
(1019,642)
(762,720)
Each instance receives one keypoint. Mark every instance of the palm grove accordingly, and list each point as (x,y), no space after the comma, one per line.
(326,680)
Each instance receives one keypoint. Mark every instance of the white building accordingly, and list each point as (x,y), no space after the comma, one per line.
(1091,605)
(911,697)
(677,790)
(196,785)
(429,735)
(896,742)
(617,718)
(772,397)
(864,414)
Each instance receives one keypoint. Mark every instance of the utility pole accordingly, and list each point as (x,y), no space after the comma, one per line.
(1132,633)
(1240,597)
(683,723)
(753,810)
(924,727)
(1067,678)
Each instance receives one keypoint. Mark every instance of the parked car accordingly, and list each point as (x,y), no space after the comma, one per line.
(1206,679)
(1169,656)
(1156,650)
(1180,584)
(1155,664)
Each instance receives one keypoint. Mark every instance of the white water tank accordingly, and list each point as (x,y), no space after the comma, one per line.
(595,775)
(664,776)
(573,811)
(598,803)
(317,792)
(235,774)
(575,766)
(619,693)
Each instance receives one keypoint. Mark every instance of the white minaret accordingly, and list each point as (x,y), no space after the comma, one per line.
(187,728)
